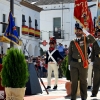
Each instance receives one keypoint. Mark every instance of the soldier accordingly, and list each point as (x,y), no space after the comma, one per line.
(75,61)
(52,61)
(95,59)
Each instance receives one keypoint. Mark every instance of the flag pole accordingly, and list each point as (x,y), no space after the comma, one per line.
(12,10)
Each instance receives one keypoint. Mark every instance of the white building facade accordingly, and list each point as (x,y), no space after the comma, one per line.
(31,16)
(58,19)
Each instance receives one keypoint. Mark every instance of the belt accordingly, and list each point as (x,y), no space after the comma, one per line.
(98,56)
(77,60)
(50,61)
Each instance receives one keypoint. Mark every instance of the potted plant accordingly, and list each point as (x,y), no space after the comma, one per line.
(66,73)
(14,74)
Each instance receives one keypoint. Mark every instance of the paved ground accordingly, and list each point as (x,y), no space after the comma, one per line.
(59,94)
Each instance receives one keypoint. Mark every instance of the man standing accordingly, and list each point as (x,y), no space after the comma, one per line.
(75,61)
(61,49)
(95,58)
(65,51)
(52,62)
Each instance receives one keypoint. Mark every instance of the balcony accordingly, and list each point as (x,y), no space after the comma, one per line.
(58,34)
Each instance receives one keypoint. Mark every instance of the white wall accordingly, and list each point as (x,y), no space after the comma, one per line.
(18,11)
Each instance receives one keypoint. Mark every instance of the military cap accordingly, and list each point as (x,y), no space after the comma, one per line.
(52,40)
(79,27)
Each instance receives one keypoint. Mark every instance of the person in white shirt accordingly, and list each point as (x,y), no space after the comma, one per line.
(90,67)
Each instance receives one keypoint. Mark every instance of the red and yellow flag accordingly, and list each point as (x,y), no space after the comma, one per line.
(81,13)
(91,26)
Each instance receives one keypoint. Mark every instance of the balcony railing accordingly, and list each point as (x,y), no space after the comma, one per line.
(58,35)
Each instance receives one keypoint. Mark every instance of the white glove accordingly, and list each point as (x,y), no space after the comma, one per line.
(91,63)
(86,32)
(69,67)
(89,60)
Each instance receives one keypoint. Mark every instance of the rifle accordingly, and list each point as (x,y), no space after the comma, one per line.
(42,82)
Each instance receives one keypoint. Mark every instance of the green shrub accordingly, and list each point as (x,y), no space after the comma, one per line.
(15,69)
(65,69)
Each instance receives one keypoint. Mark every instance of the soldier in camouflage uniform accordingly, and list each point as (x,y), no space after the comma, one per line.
(77,71)
(95,59)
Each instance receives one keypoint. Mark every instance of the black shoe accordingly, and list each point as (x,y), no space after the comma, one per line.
(55,87)
(48,87)
(93,95)
(89,87)
(83,99)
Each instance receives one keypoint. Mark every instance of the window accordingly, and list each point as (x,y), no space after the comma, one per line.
(4,25)
(57,27)
(30,21)
(23,20)
(36,24)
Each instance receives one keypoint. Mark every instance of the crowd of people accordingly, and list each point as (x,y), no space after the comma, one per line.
(62,50)
(39,63)
(83,49)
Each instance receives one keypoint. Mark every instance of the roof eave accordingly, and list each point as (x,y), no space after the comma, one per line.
(31,6)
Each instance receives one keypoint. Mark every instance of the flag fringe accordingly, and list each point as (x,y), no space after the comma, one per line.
(19,44)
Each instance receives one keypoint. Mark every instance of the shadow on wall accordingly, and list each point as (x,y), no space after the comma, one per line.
(36,51)
(5,46)
(30,50)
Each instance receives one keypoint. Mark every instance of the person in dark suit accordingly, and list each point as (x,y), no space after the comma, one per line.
(77,70)
(95,59)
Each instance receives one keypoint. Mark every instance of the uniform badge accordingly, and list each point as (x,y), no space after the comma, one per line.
(81,43)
